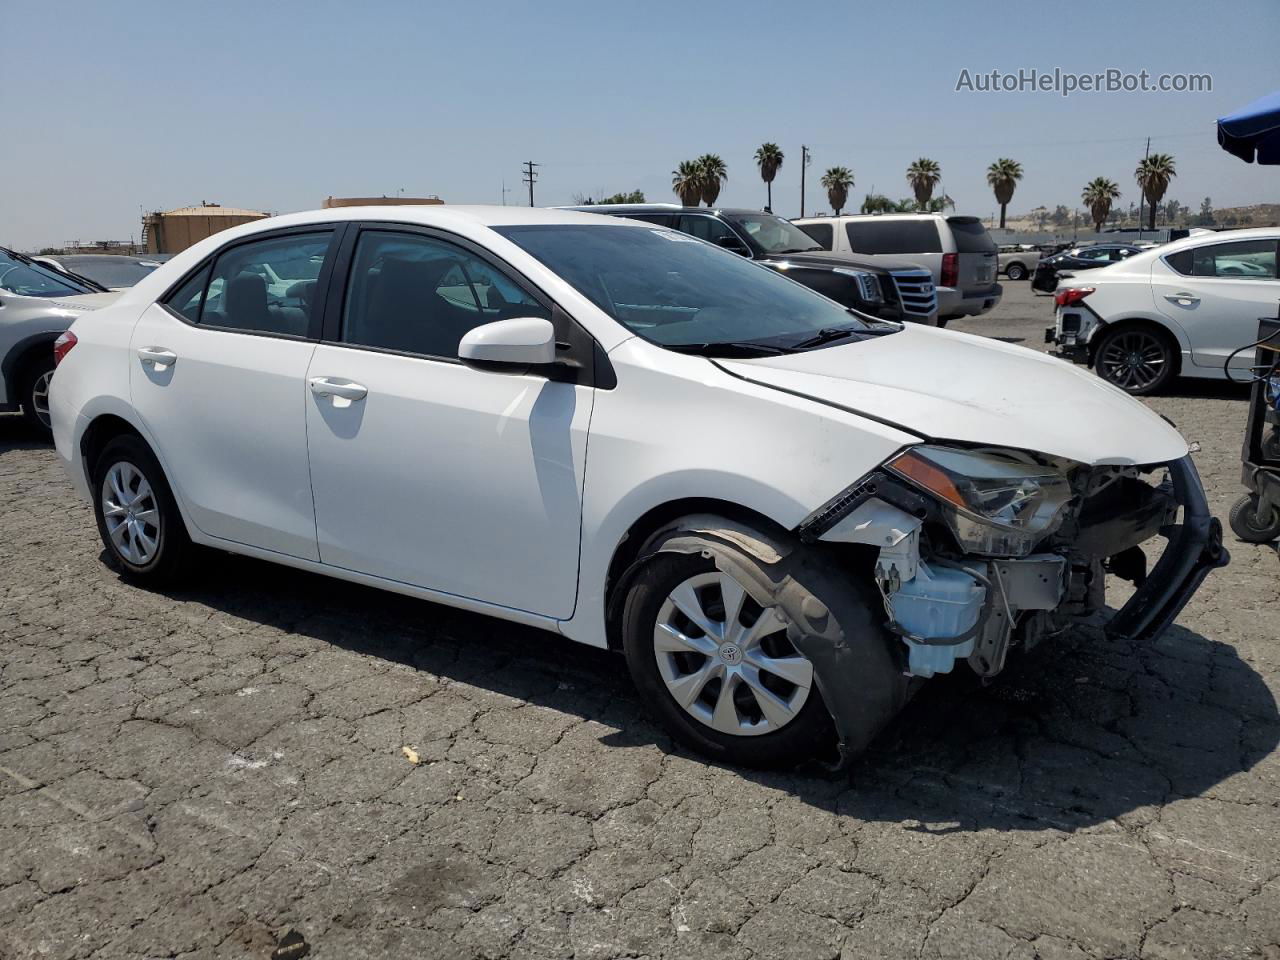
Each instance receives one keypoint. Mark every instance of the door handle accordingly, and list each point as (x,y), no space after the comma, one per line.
(1182,298)
(158,356)
(328,387)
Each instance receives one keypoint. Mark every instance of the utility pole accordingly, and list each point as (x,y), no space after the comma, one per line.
(505,191)
(530,176)
(1142,194)
(804,162)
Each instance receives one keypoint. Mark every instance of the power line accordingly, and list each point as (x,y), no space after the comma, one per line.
(530,177)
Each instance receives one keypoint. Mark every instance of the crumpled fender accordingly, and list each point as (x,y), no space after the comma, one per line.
(834,621)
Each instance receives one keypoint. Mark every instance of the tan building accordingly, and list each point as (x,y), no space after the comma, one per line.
(378,201)
(174,230)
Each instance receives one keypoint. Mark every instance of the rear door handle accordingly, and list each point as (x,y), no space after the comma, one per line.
(158,356)
(1182,298)
(329,387)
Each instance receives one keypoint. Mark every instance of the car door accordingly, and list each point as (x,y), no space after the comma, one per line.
(713,230)
(218,376)
(425,470)
(1217,293)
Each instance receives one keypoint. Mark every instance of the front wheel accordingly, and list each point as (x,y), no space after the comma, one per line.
(1016,271)
(137,516)
(1253,523)
(1137,360)
(721,671)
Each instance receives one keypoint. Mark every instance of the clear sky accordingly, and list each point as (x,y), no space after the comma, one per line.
(275,104)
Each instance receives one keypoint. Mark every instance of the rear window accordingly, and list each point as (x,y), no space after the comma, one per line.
(821,233)
(893,236)
(971,236)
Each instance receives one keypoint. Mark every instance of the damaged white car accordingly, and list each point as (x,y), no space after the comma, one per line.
(783,513)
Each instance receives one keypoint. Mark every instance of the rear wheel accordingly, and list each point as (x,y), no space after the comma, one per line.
(1253,523)
(1138,360)
(1016,271)
(137,516)
(35,394)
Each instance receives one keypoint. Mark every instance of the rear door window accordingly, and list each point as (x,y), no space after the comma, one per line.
(893,236)
(266,286)
(822,234)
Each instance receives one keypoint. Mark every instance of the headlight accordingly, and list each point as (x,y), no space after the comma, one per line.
(868,284)
(997,504)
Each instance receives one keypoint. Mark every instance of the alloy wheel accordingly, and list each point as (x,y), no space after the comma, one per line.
(131,513)
(726,660)
(40,398)
(1133,360)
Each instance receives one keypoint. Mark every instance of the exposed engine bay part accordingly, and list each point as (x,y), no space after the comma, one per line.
(833,620)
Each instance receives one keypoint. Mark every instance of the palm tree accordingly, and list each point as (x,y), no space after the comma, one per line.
(714,174)
(924,175)
(769,160)
(1153,176)
(838,180)
(686,182)
(1098,195)
(1003,177)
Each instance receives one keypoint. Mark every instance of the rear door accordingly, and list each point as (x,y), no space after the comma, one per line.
(218,376)
(977,260)
(1217,293)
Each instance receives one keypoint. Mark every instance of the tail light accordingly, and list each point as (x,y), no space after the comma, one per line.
(62,346)
(1065,298)
(950,270)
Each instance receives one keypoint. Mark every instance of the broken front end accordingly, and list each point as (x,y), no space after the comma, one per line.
(980,549)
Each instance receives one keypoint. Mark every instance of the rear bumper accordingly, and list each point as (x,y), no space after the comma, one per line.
(1194,548)
(972,303)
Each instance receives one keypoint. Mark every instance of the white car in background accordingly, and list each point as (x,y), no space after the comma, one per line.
(1188,308)
(780,511)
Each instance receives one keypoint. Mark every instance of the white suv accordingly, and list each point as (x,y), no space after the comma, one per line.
(958,251)
(1188,308)
(779,511)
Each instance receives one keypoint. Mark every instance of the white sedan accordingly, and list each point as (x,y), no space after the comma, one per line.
(1188,308)
(781,512)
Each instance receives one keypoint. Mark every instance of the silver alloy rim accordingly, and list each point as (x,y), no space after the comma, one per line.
(40,397)
(131,513)
(726,660)
(1133,360)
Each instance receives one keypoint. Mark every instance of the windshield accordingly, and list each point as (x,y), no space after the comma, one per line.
(108,270)
(26,279)
(773,234)
(676,291)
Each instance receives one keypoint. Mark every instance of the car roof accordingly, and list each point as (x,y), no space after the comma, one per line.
(625,208)
(1219,236)
(429,215)
(885,216)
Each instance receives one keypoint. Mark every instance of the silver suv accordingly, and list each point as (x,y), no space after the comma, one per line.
(958,251)
(37,303)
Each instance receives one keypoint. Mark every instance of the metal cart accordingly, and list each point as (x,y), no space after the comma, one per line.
(1255,518)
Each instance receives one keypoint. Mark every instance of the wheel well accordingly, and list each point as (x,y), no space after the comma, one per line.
(628,549)
(102,431)
(1137,323)
(17,363)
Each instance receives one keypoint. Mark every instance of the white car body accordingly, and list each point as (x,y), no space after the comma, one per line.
(513,494)
(1210,318)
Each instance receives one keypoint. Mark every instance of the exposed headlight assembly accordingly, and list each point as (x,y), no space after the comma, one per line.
(868,283)
(997,504)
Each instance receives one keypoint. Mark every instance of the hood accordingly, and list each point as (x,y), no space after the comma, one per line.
(86,301)
(944,385)
(824,258)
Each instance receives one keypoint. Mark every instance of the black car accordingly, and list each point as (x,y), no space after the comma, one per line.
(1076,259)
(893,291)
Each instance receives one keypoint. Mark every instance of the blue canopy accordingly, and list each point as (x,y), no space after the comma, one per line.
(1253,129)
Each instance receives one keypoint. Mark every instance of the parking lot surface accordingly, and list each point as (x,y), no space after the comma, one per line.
(220,772)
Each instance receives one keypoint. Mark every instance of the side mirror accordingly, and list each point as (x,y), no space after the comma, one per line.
(520,341)
(733,244)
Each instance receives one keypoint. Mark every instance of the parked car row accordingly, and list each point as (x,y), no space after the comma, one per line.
(783,513)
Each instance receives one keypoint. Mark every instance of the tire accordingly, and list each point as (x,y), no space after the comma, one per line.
(35,395)
(657,660)
(1016,271)
(145,537)
(1249,526)
(1139,360)
(943,321)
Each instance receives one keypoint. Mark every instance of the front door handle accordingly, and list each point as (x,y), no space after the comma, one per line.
(158,356)
(329,387)
(1187,298)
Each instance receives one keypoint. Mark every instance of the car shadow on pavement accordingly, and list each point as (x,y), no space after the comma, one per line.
(17,434)
(1078,731)
(1206,389)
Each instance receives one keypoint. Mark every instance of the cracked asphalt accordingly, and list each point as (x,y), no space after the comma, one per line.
(219,772)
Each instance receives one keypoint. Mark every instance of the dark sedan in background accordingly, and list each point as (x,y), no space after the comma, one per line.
(1075,259)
